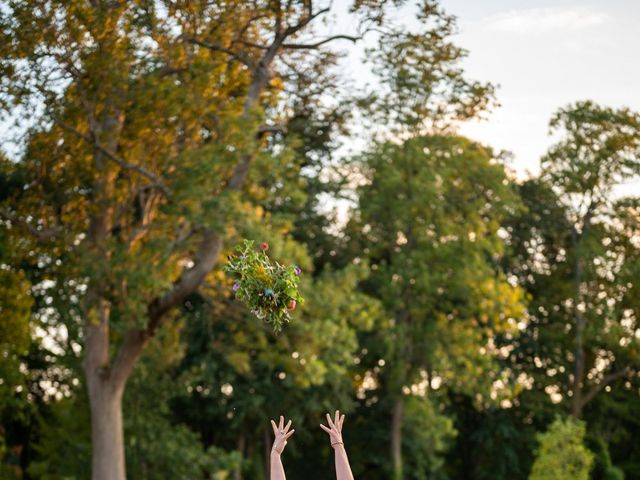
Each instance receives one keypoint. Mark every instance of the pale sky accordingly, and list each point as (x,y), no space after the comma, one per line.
(543,54)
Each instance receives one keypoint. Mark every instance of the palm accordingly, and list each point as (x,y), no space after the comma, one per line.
(335,428)
(282,434)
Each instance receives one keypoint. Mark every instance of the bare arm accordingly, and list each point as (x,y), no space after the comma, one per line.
(282,434)
(343,469)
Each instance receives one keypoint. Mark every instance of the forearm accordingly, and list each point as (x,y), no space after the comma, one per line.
(277,470)
(343,469)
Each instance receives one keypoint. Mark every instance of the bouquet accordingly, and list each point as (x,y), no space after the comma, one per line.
(270,290)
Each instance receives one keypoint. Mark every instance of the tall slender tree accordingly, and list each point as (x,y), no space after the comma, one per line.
(574,250)
(428,220)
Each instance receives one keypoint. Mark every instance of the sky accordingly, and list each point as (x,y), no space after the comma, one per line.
(543,55)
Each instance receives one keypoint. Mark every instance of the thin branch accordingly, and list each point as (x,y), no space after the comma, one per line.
(219,48)
(606,380)
(253,45)
(244,29)
(167,71)
(304,22)
(311,46)
(122,163)
(42,235)
(264,129)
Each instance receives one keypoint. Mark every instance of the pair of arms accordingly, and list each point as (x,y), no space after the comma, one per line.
(282,433)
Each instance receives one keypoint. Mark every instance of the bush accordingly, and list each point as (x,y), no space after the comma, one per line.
(562,453)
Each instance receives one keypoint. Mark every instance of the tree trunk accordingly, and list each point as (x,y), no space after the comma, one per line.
(396,438)
(240,447)
(579,366)
(107,436)
(267,452)
(105,386)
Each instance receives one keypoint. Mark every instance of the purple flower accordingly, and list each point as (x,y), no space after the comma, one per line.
(297,270)
(236,287)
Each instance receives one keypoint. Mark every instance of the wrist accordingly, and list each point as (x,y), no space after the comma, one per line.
(275,452)
(336,445)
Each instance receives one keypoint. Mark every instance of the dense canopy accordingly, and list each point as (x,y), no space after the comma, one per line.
(471,324)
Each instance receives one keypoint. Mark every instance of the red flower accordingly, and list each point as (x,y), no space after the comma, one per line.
(292,305)
(264,246)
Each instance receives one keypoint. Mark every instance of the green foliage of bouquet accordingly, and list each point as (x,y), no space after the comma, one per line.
(270,290)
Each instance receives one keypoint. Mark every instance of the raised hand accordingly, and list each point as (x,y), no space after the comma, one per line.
(334,428)
(282,434)
(343,470)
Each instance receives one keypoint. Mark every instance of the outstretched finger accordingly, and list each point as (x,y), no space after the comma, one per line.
(286,437)
(329,421)
(287,427)
(281,424)
(336,419)
(341,422)
(328,430)
(275,428)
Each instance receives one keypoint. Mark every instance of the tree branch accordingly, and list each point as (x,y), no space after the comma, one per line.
(212,241)
(264,129)
(129,352)
(606,380)
(304,22)
(41,235)
(122,163)
(189,281)
(311,46)
(219,48)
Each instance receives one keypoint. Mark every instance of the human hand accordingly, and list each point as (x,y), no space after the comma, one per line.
(282,434)
(334,429)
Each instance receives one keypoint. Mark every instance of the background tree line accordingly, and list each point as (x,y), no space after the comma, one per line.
(455,314)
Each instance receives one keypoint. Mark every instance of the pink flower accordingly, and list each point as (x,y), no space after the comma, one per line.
(292,305)
(264,246)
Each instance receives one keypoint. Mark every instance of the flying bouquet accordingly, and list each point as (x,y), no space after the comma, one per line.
(270,290)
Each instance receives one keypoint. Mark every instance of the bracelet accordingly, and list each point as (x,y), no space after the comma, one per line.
(337,443)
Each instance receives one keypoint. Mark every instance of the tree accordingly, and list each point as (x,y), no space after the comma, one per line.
(423,88)
(574,251)
(562,453)
(435,201)
(554,257)
(15,342)
(152,115)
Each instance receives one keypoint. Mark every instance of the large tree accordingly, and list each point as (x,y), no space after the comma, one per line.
(600,149)
(575,251)
(428,221)
(148,118)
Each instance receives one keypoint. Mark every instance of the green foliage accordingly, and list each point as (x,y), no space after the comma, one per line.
(15,310)
(429,433)
(269,290)
(562,453)
(422,84)
(138,116)
(438,201)
(491,444)
(64,445)
(600,148)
